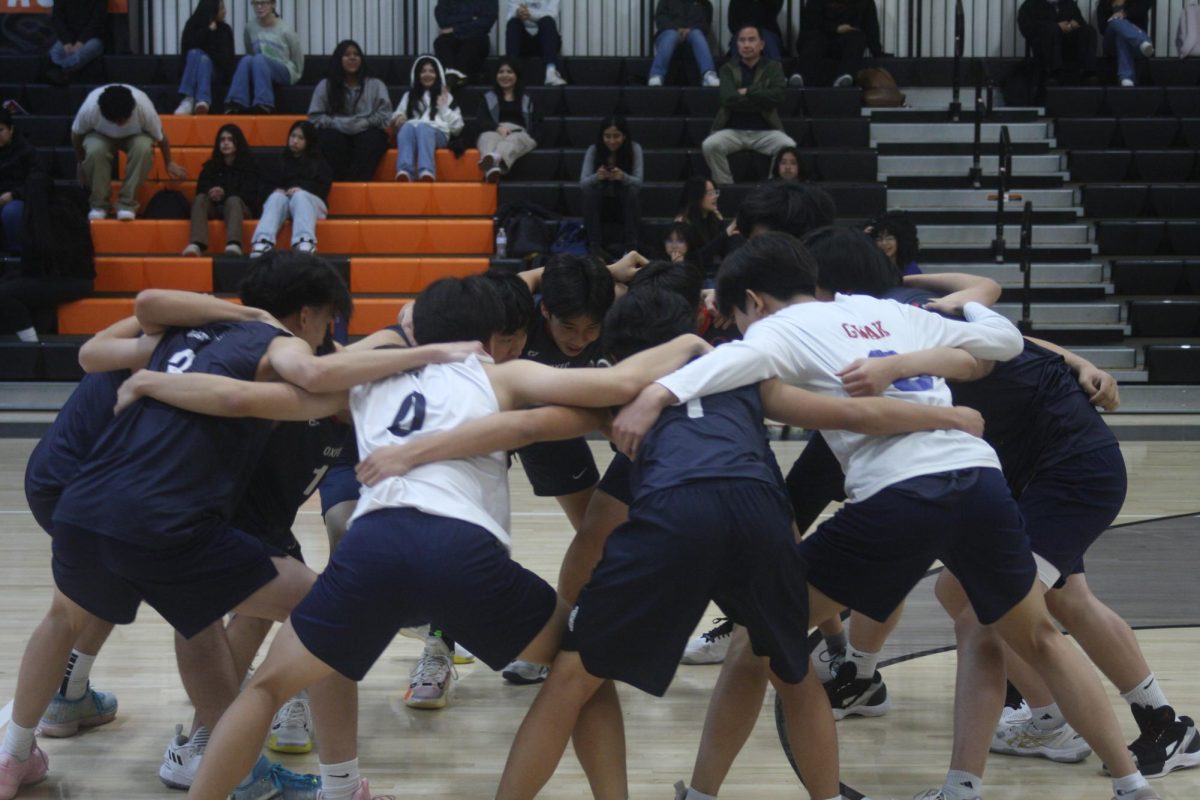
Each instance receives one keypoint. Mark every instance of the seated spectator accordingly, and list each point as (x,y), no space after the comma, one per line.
(764,14)
(712,234)
(16,162)
(751,90)
(227,189)
(273,55)
(351,112)
(611,179)
(896,236)
(1123,24)
(680,245)
(838,31)
(1058,34)
(462,43)
(787,166)
(682,21)
(207,45)
(118,117)
(78,37)
(425,120)
(509,122)
(299,186)
(532,30)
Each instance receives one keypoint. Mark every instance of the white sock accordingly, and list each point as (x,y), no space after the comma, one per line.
(865,662)
(1148,693)
(75,681)
(18,741)
(962,785)
(695,795)
(27,335)
(1047,718)
(1124,787)
(836,643)
(551,70)
(340,781)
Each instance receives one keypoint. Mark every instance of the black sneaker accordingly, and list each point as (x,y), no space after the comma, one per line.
(1167,743)
(853,696)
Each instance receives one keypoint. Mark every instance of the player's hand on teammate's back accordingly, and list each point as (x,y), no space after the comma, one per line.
(390,461)
(971,421)
(868,377)
(1101,388)
(628,266)
(130,391)
(945,305)
(637,418)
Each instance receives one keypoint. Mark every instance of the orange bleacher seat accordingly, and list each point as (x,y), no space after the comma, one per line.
(201,131)
(120,274)
(449,168)
(407,275)
(93,314)
(374,313)
(373,199)
(134,273)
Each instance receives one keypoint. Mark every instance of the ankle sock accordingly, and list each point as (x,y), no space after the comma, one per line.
(18,741)
(1148,692)
(1047,718)
(27,335)
(865,662)
(75,680)
(962,785)
(836,643)
(340,781)
(1124,787)
(692,794)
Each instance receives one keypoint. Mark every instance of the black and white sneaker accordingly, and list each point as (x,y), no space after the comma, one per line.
(852,696)
(711,646)
(1167,742)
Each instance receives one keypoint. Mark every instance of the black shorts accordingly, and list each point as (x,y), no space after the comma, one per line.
(401,568)
(616,482)
(338,486)
(555,469)
(42,504)
(728,541)
(192,584)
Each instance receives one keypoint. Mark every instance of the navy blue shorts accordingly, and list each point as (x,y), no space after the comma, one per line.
(338,486)
(871,554)
(192,584)
(41,504)
(400,568)
(728,541)
(616,482)
(558,468)
(1068,505)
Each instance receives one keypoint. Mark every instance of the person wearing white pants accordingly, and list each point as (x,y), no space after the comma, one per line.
(301,185)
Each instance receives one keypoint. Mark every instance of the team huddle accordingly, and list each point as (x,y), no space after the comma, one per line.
(174,473)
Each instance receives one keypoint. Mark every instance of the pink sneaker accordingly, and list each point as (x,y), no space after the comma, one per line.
(363,793)
(15,774)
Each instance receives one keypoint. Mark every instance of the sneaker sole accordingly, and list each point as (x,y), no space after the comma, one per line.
(521,680)
(877,710)
(68,729)
(464,659)
(275,746)
(1059,756)
(700,661)
(167,777)
(431,704)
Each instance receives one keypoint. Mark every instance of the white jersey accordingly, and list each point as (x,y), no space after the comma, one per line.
(807,344)
(437,398)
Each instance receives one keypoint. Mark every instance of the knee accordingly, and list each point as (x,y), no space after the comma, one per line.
(141,146)
(710,146)
(547,25)
(514,26)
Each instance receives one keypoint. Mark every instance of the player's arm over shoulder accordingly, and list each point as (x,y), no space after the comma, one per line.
(222,396)
(119,346)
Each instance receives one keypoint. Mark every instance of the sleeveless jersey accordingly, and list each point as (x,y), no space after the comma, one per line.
(159,475)
(419,403)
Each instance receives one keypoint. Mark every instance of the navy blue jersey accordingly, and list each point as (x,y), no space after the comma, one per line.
(159,474)
(718,437)
(540,347)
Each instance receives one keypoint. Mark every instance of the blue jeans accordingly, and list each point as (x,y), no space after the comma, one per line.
(197,77)
(664,49)
(261,72)
(70,62)
(419,141)
(1124,38)
(10,225)
(773,47)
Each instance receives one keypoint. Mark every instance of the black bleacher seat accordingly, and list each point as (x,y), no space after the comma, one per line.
(12,91)
(546,99)
(292,99)
(1191,275)
(1163,165)
(635,71)
(540,165)
(660,165)
(44,132)
(1148,276)
(552,132)
(660,199)
(748,166)
(19,361)
(63,165)
(546,195)
(317,66)
(593,101)
(1136,101)
(832,102)
(700,102)
(863,200)
(1183,101)
(136,70)
(1189,130)
(1173,363)
(1183,236)
(1085,134)
(584,131)
(467,97)
(571,164)
(20,69)
(697,130)
(1164,317)
(53,101)
(1148,133)
(1130,237)
(586,71)
(60,360)
(1175,72)
(656,131)
(1175,200)
(1114,200)
(841,132)
(397,70)
(1074,101)
(649,101)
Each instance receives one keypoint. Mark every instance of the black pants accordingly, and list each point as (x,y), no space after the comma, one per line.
(465,55)
(547,43)
(353,157)
(820,51)
(607,193)
(22,297)
(1054,49)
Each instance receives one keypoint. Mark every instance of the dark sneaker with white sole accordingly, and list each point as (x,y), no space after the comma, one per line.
(852,696)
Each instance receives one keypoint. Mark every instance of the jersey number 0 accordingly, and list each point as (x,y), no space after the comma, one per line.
(410,417)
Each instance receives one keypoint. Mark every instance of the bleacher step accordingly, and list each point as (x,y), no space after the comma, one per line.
(956,199)
(958,132)
(1048,164)
(1078,234)
(1084,273)
(1159,399)
(1064,313)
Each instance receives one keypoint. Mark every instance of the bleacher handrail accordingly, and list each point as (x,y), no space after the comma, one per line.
(960,27)
(1026,323)
(976,171)
(1004,178)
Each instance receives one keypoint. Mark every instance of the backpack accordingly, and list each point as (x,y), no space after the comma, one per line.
(571,239)
(524,229)
(56,234)
(879,88)
(168,204)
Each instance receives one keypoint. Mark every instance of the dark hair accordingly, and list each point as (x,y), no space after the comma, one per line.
(6,118)
(786,206)
(242,155)
(623,157)
(284,283)
(519,309)
(690,237)
(694,190)
(518,88)
(312,148)
(417,91)
(335,77)
(116,103)
(203,16)
(849,261)
(645,318)
(744,25)
(577,285)
(458,310)
(685,280)
(783,151)
(897,223)
(774,264)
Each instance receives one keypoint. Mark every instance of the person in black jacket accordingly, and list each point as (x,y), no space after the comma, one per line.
(462,42)
(207,45)
(228,189)
(1123,24)
(16,162)
(508,122)
(764,14)
(79,36)
(838,30)
(299,187)
(1058,33)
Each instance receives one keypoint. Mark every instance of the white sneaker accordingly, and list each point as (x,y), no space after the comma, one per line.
(260,248)
(796,81)
(186,106)
(711,80)
(554,77)
(655,80)
(711,646)
(433,677)
(843,81)
(1127,83)
(291,729)
(233,249)
(1014,716)
(934,794)
(522,673)
(1025,739)
(305,246)
(125,215)
(462,655)
(181,761)
(192,250)
(1147,48)
(97,214)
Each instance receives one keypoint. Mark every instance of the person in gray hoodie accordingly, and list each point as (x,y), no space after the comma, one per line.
(351,112)
(273,55)
(426,118)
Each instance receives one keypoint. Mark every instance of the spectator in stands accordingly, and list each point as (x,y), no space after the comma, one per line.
(712,234)
(680,245)
(300,186)
(1123,24)
(752,88)
(532,29)
(207,45)
(16,162)
(351,111)
(273,55)
(118,117)
(462,43)
(611,179)
(896,236)
(79,37)
(426,119)
(508,120)
(764,14)
(787,166)
(228,189)
(837,30)
(682,21)
(1057,34)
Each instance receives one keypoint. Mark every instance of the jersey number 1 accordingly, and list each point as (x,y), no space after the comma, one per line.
(410,417)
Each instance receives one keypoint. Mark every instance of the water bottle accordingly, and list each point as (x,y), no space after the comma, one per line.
(501,242)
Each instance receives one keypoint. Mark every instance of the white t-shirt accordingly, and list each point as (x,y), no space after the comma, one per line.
(807,344)
(144,118)
(407,406)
